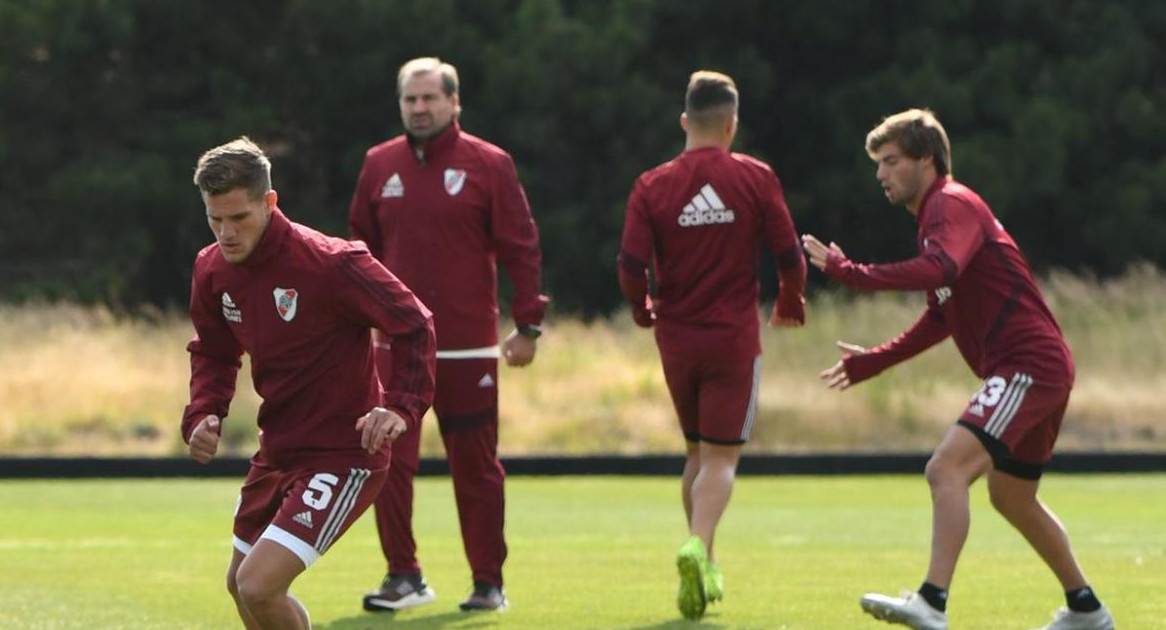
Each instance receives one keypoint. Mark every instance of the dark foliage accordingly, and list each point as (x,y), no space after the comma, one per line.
(1056,108)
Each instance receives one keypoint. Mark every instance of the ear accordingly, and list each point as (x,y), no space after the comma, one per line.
(456,100)
(684,121)
(270,199)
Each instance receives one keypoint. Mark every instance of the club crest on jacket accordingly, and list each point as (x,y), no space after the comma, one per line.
(455,178)
(285,303)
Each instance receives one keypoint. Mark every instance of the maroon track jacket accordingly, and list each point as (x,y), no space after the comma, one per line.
(301,306)
(441,221)
(980,290)
(702,218)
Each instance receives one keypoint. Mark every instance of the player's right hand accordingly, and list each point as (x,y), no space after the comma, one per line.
(204,440)
(378,427)
(818,253)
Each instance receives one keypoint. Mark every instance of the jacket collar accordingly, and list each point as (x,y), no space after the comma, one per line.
(440,145)
(935,186)
(270,244)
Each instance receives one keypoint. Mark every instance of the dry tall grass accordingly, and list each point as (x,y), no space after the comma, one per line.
(83,381)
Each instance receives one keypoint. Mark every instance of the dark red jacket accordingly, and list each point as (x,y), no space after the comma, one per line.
(702,218)
(440,223)
(301,305)
(980,290)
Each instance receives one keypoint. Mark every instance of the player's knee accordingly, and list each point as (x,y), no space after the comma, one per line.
(232,585)
(253,592)
(938,471)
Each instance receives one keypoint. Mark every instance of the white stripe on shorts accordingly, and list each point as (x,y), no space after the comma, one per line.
(241,546)
(345,501)
(751,414)
(286,539)
(1009,404)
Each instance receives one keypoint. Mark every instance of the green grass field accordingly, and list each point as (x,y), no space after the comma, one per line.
(585,553)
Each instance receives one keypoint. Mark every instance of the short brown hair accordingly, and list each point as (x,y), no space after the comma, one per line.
(711,96)
(239,163)
(918,133)
(425,65)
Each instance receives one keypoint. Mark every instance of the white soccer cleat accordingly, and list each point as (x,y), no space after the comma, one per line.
(399,592)
(912,611)
(1065,619)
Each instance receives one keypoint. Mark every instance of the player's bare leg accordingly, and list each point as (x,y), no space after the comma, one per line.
(233,588)
(691,468)
(1016,500)
(263,580)
(958,461)
(712,488)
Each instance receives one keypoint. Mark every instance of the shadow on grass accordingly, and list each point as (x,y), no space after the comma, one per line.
(679,624)
(381,621)
(463,621)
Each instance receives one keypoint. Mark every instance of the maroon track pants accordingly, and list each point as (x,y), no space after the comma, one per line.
(466,405)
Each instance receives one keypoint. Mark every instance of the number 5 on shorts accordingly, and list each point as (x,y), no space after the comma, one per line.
(319,492)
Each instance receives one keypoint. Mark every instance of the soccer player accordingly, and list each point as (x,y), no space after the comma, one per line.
(439,207)
(981,292)
(701,220)
(301,305)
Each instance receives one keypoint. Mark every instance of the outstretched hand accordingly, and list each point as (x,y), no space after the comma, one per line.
(378,427)
(818,252)
(835,375)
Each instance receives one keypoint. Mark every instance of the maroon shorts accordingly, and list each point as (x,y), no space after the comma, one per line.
(1017,419)
(716,401)
(304,510)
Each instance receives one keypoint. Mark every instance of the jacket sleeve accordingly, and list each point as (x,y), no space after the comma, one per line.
(949,239)
(635,253)
(379,300)
(516,241)
(362,219)
(782,239)
(930,329)
(215,357)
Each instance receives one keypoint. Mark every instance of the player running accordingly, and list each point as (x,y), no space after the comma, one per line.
(301,304)
(702,219)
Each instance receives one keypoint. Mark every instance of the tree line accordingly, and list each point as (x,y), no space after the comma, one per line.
(1056,110)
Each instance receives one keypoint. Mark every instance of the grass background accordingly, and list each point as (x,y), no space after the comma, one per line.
(85,381)
(586,553)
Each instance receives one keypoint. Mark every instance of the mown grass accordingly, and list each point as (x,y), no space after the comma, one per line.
(585,554)
(83,381)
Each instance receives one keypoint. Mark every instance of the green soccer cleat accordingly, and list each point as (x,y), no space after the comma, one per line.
(692,564)
(715,584)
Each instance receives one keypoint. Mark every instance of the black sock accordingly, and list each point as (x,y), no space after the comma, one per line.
(1082,600)
(934,595)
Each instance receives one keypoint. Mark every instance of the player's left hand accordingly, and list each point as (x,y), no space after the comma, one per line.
(817,251)
(836,376)
(378,427)
(519,349)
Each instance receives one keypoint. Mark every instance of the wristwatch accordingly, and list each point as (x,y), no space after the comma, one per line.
(530,331)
